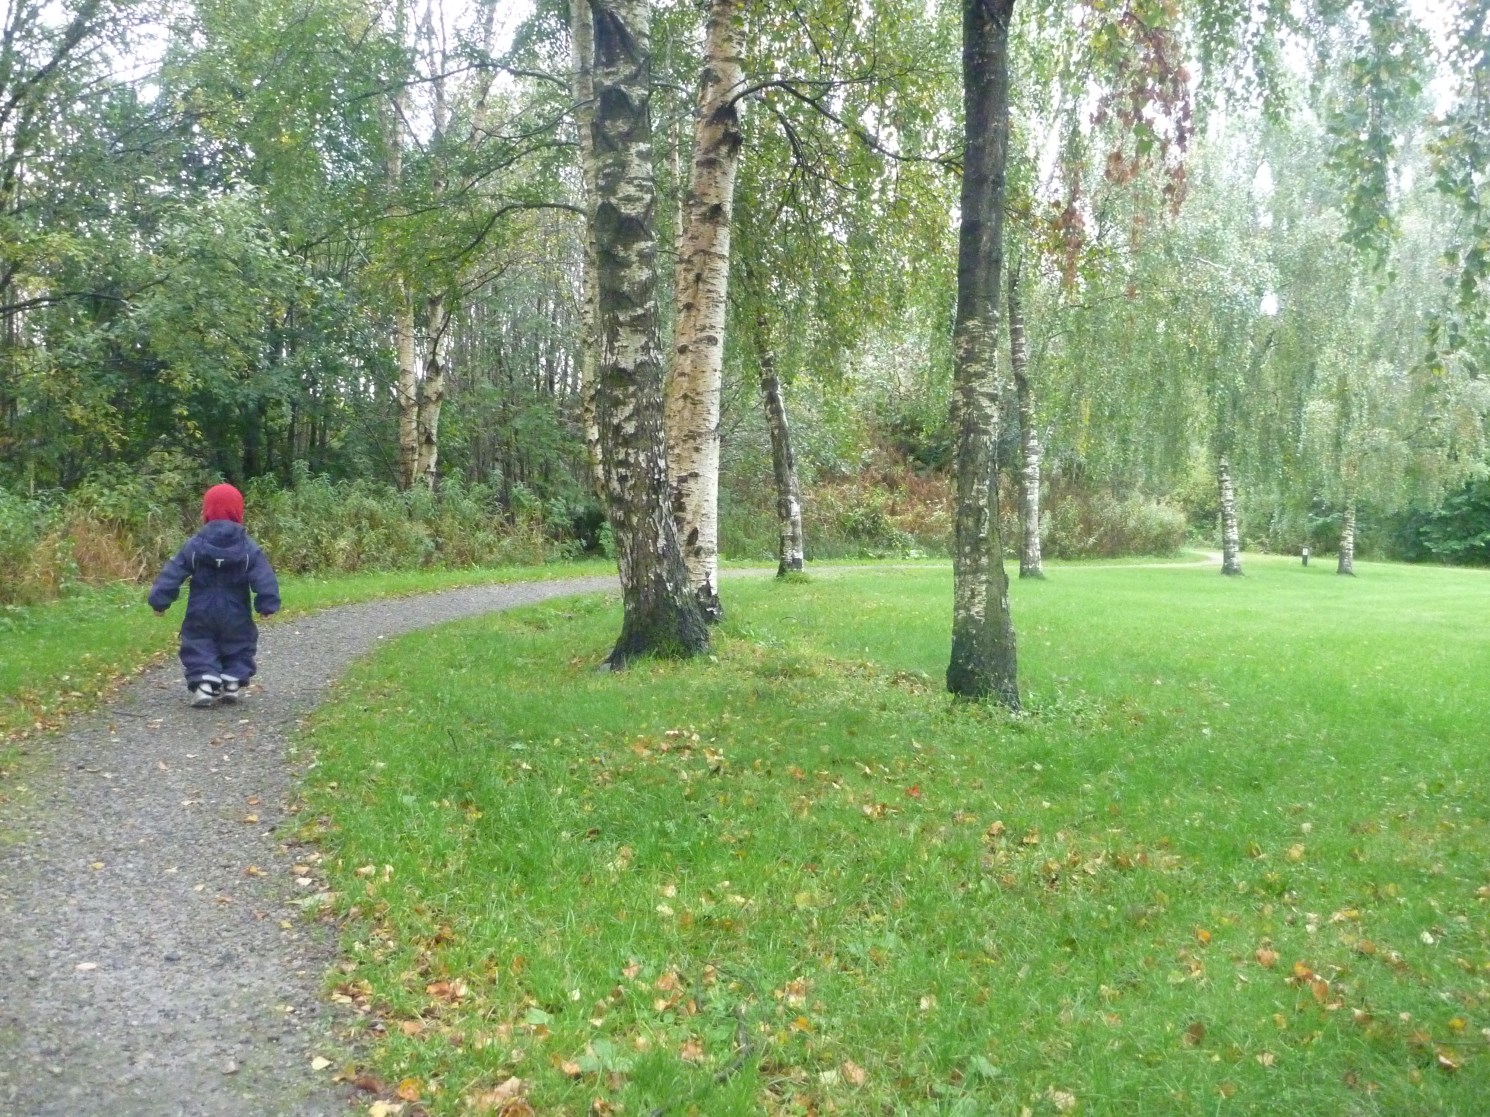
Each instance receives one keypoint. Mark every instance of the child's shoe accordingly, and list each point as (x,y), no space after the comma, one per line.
(230,688)
(203,694)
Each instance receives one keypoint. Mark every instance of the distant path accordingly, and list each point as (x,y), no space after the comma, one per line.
(144,970)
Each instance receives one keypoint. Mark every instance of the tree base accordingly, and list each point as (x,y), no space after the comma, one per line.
(671,634)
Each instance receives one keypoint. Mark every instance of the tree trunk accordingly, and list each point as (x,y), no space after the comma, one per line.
(1231,539)
(983,662)
(701,284)
(406,391)
(1030,565)
(431,392)
(582,47)
(790,551)
(661,614)
(1347,538)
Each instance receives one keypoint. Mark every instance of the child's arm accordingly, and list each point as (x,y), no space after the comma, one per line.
(168,581)
(264,584)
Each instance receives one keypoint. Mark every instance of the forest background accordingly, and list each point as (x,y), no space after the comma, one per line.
(333,251)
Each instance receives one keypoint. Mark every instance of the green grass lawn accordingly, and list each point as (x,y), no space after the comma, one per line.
(1234,859)
(66,656)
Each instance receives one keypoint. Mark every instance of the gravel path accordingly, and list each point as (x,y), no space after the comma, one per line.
(144,970)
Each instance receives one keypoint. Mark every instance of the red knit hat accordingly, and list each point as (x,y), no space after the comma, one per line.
(222,502)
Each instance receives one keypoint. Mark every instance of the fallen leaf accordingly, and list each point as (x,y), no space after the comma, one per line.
(503,1095)
(409,1089)
(320,1062)
(1063,1100)
(451,991)
(692,1051)
(854,1073)
(1195,1034)
(1266,957)
(385,1108)
(570,1069)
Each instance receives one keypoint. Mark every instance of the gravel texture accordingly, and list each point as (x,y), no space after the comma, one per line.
(144,968)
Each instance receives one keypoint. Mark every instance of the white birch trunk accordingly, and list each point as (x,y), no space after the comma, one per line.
(701,288)
(983,661)
(432,391)
(407,389)
(582,48)
(1030,563)
(791,545)
(1231,539)
(1347,538)
(660,613)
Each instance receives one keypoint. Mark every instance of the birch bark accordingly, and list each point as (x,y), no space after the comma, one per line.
(1030,564)
(791,546)
(407,389)
(661,615)
(1231,538)
(432,390)
(983,661)
(1346,564)
(701,287)
(582,48)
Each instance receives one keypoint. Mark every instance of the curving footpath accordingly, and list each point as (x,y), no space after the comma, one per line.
(151,961)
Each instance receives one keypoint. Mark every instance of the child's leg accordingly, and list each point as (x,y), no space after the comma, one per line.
(238,644)
(199,656)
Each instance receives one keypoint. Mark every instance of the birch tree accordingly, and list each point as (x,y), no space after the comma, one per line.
(661,614)
(701,288)
(791,541)
(1030,565)
(983,662)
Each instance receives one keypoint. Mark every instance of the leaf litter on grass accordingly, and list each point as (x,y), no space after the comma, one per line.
(1039,902)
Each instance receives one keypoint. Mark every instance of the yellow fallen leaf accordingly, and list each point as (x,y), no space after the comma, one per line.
(503,1096)
(409,1089)
(320,1062)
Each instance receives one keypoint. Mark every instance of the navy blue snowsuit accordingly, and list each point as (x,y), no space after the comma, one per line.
(218,636)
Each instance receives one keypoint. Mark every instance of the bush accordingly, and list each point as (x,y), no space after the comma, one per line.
(1102,526)
(31,566)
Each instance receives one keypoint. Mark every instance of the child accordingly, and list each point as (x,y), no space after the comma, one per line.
(218,636)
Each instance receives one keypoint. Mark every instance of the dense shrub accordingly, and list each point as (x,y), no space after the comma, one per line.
(1459,531)
(122,526)
(1103,526)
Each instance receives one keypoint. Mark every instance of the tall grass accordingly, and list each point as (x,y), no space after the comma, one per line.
(1233,860)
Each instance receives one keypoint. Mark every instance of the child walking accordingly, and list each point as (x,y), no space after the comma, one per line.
(218,636)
